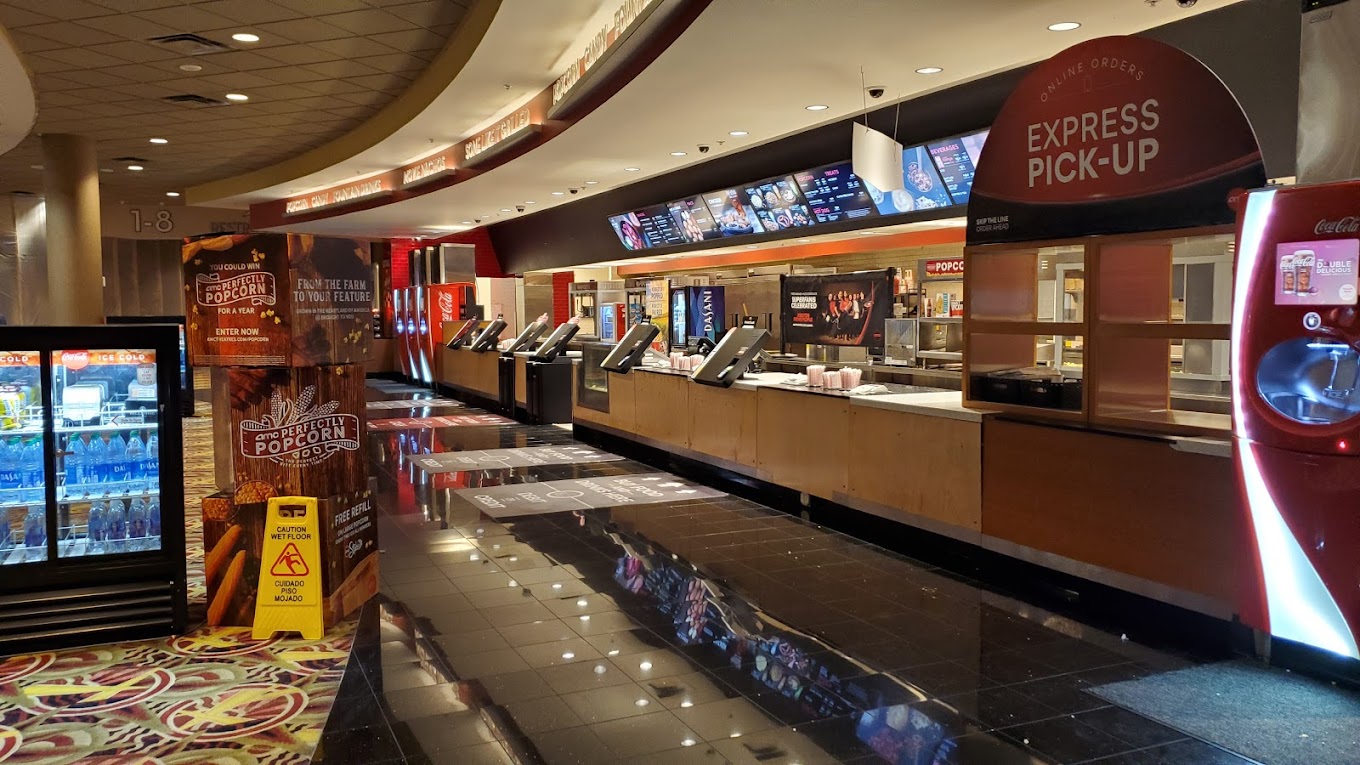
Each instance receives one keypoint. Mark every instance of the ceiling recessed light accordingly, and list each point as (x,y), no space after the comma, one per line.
(158,140)
(929,70)
(581,602)
(35,167)
(559,193)
(688,742)
(105,169)
(644,666)
(631,169)
(190,68)
(805,239)
(172,193)
(245,37)
(135,168)
(467,223)
(568,655)
(505,209)
(591,183)
(738,133)
(678,153)
(530,202)
(686,704)
(817,107)
(752,246)
(1063,26)
(641,703)
(237,97)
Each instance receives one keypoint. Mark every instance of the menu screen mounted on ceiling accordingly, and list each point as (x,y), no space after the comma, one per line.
(629,231)
(834,193)
(922,189)
(957,160)
(658,227)
(732,213)
(779,204)
(693,220)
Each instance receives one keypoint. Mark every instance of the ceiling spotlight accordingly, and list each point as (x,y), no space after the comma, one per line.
(245,37)
(1063,26)
(172,193)
(190,68)
(631,169)
(135,168)
(559,193)
(591,183)
(929,70)
(738,133)
(678,153)
(158,140)
(817,107)
(237,97)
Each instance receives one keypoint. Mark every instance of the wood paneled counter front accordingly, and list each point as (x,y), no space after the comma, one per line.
(469,372)
(918,458)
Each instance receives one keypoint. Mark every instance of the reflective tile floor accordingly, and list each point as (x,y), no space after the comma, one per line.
(708,630)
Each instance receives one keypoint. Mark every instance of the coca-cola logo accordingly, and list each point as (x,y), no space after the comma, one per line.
(212,291)
(297,434)
(445,306)
(75,361)
(1347,225)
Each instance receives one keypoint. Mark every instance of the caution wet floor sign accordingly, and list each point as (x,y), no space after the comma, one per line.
(290,577)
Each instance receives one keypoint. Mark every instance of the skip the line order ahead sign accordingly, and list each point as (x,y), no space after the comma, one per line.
(583,494)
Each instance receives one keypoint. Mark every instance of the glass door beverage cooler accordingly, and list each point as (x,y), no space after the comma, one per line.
(92,544)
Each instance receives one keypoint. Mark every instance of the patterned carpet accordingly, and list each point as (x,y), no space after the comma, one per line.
(214,696)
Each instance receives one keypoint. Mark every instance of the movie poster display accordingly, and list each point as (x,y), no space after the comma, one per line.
(278,300)
(837,309)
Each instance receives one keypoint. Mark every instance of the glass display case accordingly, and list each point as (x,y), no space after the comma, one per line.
(91,485)
(592,381)
(186,370)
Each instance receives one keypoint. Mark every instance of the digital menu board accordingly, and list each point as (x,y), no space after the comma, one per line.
(659,228)
(629,231)
(834,193)
(957,161)
(693,220)
(922,188)
(779,204)
(732,214)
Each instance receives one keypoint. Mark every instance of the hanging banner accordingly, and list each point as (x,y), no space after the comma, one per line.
(1114,135)
(837,309)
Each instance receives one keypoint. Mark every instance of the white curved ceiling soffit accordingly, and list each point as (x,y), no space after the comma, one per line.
(528,43)
(711,82)
(16,93)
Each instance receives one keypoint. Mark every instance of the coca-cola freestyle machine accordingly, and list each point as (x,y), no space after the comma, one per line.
(399,325)
(1296,410)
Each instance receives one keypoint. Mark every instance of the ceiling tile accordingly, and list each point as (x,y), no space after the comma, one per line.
(394,62)
(240,60)
(102,95)
(336,87)
(110,110)
(69,33)
(132,6)
(44,82)
(289,74)
(250,11)
(31,43)
(304,30)
(48,97)
(135,52)
(185,18)
(353,47)
(429,13)
(343,68)
(94,78)
(280,92)
(410,40)
(127,26)
(367,22)
(142,90)
(364,98)
(139,73)
(321,7)
(295,55)
(232,81)
(13,16)
(384,82)
(82,57)
(69,10)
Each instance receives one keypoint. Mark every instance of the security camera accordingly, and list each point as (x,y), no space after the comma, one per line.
(574,191)
(875,91)
(477,220)
(703,148)
(519,208)
(1186,3)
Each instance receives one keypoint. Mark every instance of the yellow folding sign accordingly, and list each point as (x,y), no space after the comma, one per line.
(290,571)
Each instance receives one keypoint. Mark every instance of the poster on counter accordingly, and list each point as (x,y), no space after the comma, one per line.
(705,308)
(836,309)
(1113,135)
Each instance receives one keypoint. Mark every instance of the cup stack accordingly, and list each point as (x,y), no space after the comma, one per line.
(815,374)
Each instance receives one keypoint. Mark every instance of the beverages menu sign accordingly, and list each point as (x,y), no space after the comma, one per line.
(1114,135)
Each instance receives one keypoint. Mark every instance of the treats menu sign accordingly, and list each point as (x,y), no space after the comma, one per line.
(1114,135)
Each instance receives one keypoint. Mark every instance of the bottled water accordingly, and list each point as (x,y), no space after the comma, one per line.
(136,460)
(153,519)
(118,461)
(117,527)
(75,463)
(11,472)
(153,460)
(96,460)
(97,530)
(137,525)
(31,462)
(35,529)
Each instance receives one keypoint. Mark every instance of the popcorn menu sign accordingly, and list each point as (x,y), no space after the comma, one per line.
(1114,135)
